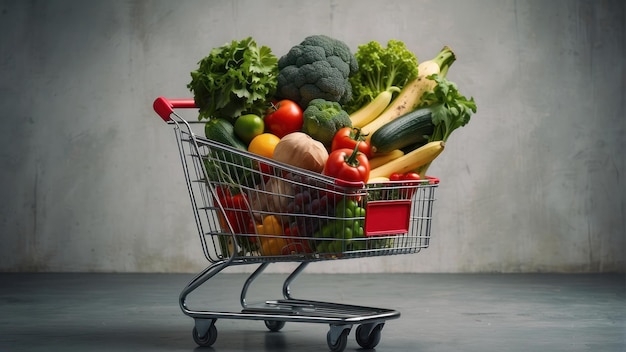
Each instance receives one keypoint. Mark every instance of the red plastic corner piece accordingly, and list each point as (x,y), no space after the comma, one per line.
(163,108)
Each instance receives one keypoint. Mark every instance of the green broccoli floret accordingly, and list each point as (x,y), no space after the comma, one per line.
(323,118)
(319,67)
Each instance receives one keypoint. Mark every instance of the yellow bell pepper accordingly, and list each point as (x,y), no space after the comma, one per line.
(271,227)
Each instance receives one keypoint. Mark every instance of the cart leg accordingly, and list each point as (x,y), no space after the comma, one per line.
(291,277)
(272,325)
(249,281)
(286,285)
(201,278)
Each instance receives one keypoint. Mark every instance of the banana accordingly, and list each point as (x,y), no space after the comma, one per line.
(378,180)
(411,95)
(371,110)
(381,159)
(410,161)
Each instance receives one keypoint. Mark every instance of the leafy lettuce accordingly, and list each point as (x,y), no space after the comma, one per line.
(380,69)
(237,78)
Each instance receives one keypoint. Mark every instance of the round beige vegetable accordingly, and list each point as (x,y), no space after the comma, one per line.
(300,150)
(273,197)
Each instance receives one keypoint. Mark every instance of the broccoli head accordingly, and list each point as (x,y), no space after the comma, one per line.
(319,67)
(323,118)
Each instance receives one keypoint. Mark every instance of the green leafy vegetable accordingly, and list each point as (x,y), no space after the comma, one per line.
(450,109)
(380,69)
(236,78)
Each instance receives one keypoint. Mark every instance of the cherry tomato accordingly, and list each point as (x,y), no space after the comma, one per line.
(348,137)
(395,177)
(409,187)
(409,176)
(283,118)
(412,176)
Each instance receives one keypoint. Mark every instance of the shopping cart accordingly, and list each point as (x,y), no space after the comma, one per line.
(253,210)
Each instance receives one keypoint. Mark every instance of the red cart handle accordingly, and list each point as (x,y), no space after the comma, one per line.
(165,107)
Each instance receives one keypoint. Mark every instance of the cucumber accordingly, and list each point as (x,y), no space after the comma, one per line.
(223,165)
(411,147)
(412,128)
(221,130)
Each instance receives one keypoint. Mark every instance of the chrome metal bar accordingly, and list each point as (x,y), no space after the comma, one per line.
(291,277)
(249,281)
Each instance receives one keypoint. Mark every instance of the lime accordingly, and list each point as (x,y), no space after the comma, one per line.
(249,126)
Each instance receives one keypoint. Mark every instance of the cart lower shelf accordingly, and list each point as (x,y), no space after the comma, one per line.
(275,313)
(323,312)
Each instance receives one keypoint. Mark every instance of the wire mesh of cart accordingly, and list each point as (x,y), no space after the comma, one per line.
(253,210)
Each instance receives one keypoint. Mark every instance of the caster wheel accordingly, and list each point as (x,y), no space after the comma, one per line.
(274,325)
(206,340)
(341,342)
(368,341)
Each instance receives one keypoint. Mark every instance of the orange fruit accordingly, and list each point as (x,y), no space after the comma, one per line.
(264,144)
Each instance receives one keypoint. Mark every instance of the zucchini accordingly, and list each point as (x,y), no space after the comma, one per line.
(412,128)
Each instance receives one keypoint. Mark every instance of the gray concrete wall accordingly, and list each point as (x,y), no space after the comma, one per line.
(90,179)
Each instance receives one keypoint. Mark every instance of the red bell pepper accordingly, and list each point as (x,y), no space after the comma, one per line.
(349,137)
(236,209)
(348,165)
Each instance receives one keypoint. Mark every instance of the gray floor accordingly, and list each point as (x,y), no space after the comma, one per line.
(440,312)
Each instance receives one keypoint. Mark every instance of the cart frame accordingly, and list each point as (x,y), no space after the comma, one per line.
(225,244)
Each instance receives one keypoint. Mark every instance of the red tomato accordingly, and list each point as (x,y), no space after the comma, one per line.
(283,118)
(348,165)
(348,137)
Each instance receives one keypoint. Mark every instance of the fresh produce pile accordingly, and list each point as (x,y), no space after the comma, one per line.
(375,116)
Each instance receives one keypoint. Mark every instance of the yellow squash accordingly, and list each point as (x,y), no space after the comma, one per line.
(410,161)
